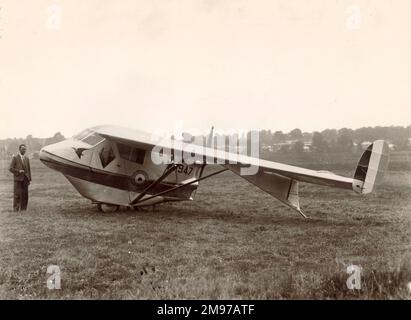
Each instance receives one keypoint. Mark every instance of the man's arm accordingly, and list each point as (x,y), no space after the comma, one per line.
(28,169)
(12,167)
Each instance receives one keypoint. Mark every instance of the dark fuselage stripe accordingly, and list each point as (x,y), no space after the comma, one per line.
(113,180)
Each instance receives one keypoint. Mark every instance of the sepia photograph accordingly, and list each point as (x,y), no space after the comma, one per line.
(205,150)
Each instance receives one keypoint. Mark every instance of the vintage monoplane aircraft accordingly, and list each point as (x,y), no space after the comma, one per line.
(113,166)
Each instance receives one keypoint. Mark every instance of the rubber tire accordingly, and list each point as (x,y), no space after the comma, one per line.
(108,208)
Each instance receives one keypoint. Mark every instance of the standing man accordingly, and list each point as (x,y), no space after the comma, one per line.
(20,168)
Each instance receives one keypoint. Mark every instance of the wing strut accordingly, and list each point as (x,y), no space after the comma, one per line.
(170,168)
(178,187)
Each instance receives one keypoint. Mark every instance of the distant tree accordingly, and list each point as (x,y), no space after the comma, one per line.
(399,137)
(56,138)
(358,148)
(284,149)
(379,133)
(400,143)
(364,134)
(347,132)
(307,136)
(345,140)
(279,136)
(13,146)
(318,142)
(330,134)
(296,134)
(297,147)
(33,144)
(266,138)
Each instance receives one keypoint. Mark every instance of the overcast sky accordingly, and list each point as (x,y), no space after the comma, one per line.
(275,64)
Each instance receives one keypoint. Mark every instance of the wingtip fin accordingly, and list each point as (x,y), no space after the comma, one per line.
(371,167)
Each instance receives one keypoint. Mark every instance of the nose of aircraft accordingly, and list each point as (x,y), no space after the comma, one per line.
(45,156)
(62,149)
(42,153)
(53,153)
(58,154)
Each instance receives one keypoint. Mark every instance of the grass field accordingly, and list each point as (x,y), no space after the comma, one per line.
(234,241)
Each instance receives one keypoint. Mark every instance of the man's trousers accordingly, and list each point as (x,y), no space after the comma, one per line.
(21,194)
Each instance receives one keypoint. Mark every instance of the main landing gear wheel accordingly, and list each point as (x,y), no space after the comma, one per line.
(107,208)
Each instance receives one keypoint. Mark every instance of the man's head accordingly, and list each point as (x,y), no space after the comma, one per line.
(22,149)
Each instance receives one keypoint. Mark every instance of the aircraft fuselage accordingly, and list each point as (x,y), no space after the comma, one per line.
(109,172)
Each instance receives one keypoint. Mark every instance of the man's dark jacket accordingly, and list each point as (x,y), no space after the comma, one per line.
(17,164)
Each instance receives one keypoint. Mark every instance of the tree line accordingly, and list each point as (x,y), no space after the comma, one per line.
(11,146)
(333,140)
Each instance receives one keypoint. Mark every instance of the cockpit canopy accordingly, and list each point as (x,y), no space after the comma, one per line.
(88,136)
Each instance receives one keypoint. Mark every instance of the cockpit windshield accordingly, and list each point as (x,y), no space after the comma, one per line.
(82,134)
(89,137)
(93,139)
